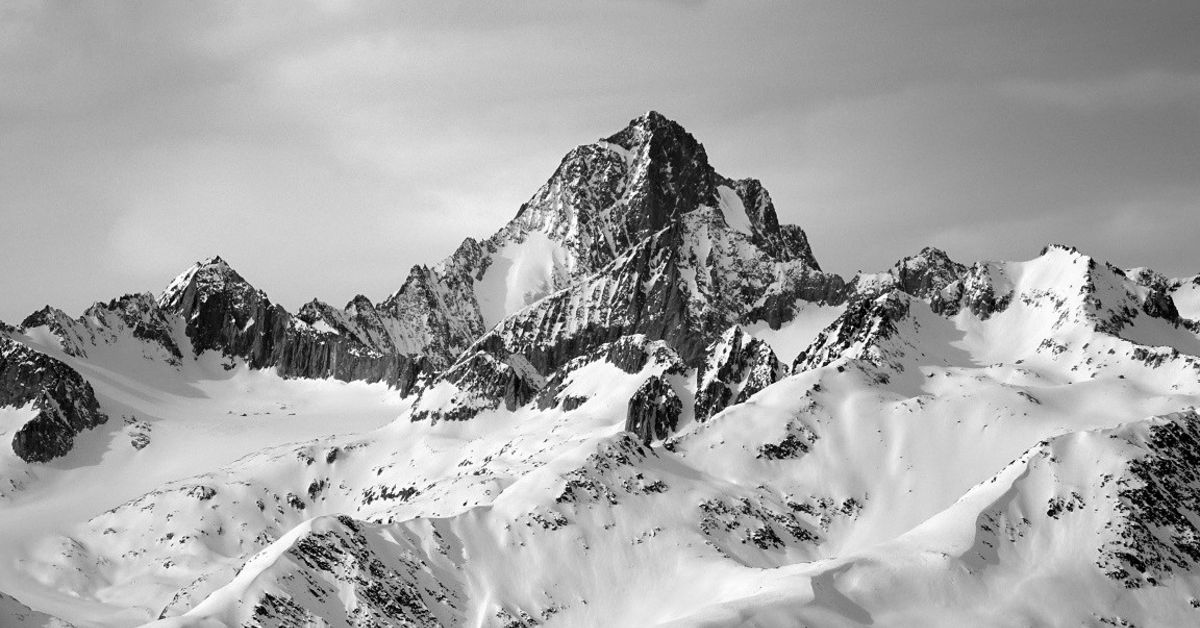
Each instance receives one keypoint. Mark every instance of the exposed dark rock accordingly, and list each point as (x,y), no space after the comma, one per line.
(738,366)
(64,401)
(778,305)
(1157,533)
(136,315)
(59,324)
(979,292)
(796,443)
(676,177)
(653,410)
(631,354)
(1158,302)
(225,313)
(481,382)
(858,333)
(141,314)
(339,555)
(782,242)
(928,274)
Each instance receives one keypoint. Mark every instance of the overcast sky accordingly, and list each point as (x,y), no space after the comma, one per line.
(324,148)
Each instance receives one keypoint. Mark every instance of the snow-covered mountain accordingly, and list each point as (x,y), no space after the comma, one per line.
(639,403)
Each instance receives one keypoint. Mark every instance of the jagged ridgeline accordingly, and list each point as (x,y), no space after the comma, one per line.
(633,235)
(642,374)
(634,239)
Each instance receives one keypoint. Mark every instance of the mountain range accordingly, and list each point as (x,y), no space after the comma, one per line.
(641,402)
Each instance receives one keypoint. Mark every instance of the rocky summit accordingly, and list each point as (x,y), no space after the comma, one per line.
(640,402)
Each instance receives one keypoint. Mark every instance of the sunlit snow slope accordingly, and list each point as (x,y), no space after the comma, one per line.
(640,403)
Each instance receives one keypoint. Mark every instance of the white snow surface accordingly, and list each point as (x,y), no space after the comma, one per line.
(912,480)
(795,335)
(521,272)
(734,210)
(1187,297)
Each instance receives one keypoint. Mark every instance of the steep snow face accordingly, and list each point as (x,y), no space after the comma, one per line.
(734,210)
(521,273)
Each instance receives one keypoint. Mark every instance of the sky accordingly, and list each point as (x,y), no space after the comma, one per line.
(323,148)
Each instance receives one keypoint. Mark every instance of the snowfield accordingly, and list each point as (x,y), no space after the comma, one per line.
(664,419)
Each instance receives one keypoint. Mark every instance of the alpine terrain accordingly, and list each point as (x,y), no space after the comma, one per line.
(641,402)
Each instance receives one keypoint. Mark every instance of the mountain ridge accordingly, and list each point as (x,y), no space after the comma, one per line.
(641,374)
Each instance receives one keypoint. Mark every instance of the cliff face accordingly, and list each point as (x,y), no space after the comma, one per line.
(637,234)
(737,366)
(64,404)
(653,410)
(222,312)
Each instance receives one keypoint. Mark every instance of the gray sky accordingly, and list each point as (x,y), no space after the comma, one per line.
(323,148)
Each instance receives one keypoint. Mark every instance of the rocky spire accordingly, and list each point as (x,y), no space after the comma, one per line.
(669,175)
(201,280)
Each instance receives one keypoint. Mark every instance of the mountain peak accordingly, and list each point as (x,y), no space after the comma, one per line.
(649,126)
(206,276)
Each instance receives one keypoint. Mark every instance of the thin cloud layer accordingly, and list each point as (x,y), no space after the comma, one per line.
(326,147)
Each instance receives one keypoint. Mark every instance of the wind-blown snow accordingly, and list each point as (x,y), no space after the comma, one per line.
(521,273)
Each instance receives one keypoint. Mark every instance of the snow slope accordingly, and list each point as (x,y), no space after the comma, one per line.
(640,403)
(1187,297)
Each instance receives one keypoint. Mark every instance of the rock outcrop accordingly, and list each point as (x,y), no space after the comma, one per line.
(223,312)
(738,365)
(474,385)
(63,401)
(135,316)
(654,410)
(858,333)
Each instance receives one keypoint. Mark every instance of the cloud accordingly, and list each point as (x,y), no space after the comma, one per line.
(324,147)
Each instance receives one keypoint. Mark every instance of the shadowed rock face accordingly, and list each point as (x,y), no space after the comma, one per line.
(647,240)
(646,204)
(654,243)
(222,312)
(1158,302)
(136,315)
(927,272)
(673,178)
(737,367)
(653,410)
(65,403)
